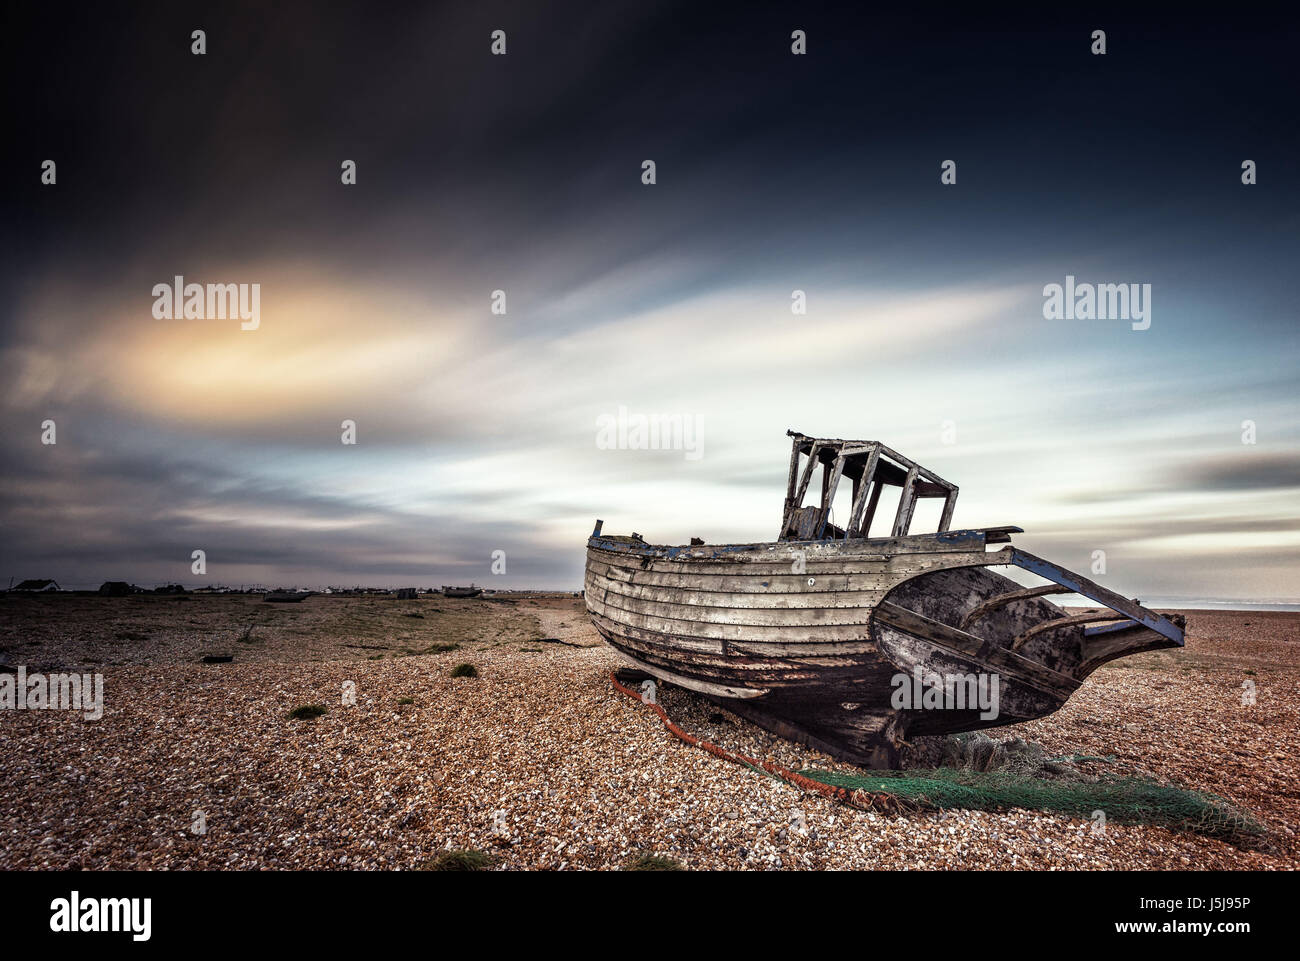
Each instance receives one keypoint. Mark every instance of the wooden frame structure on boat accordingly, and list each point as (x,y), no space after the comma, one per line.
(870,465)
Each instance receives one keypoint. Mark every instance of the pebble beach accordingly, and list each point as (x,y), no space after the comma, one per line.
(539,762)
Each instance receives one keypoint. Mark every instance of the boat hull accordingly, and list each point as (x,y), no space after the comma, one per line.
(851,646)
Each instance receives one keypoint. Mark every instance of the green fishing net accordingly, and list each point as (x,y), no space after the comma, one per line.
(981,775)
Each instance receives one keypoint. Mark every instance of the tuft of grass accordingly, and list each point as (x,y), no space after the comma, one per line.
(307,712)
(653,862)
(406,700)
(464,670)
(459,859)
(131,636)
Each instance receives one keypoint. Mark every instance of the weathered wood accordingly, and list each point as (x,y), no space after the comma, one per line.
(819,573)
(691,594)
(999,659)
(913,623)
(949,503)
(1073,621)
(861,461)
(1093,591)
(703,687)
(708,629)
(787,551)
(1002,600)
(789,619)
(854,527)
(906,501)
(872,504)
(791,480)
(803,488)
(826,497)
(1098,649)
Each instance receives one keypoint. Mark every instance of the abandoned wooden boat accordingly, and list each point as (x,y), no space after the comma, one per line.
(853,643)
(470,591)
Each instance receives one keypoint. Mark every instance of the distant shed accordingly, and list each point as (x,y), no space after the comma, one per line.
(38,585)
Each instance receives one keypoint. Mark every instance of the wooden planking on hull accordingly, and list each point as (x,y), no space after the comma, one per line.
(813,647)
(765,552)
(755,674)
(698,636)
(634,564)
(814,562)
(782,576)
(863,743)
(682,609)
(769,598)
(823,582)
(787,633)
(740,659)
(764,680)
(730,693)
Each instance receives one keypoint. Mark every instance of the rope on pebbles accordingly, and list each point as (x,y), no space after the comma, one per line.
(858,798)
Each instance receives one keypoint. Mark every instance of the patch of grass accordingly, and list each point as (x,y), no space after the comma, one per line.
(531,650)
(464,670)
(653,862)
(459,859)
(131,636)
(307,712)
(406,700)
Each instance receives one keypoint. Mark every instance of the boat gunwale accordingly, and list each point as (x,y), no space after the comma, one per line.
(965,539)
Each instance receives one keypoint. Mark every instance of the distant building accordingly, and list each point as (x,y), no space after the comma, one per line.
(405,593)
(116,589)
(38,585)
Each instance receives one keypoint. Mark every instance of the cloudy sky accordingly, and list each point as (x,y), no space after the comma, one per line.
(477,431)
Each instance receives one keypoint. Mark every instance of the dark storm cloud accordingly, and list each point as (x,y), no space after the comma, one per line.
(479,157)
(1249,470)
(141,518)
(522,172)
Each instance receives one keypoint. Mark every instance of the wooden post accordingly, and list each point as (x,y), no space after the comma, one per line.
(949,503)
(906,502)
(803,487)
(872,503)
(829,495)
(860,498)
(791,480)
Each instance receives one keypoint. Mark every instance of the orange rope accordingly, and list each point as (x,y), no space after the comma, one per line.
(865,800)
